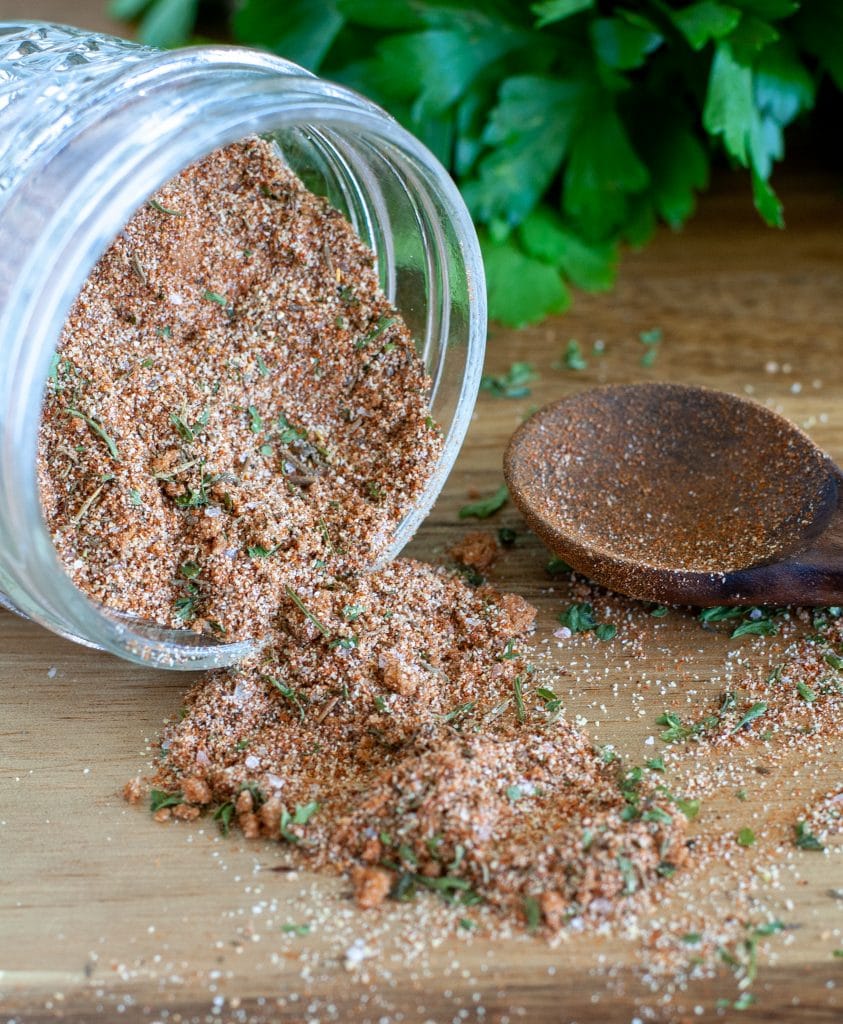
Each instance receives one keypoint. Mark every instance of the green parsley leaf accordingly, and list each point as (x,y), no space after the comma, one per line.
(603,169)
(587,264)
(552,703)
(805,838)
(296,929)
(768,928)
(308,614)
(223,814)
(805,692)
(304,812)
(720,613)
(158,798)
(532,913)
(383,324)
(163,209)
(763,627)
(578,617)
(185,607)
(512,384)
(702,22)
(550,11)
(505,264)
(306,29)
(293,696)
(220,300)
(627,870)
(573,358)
(730,106)
(96,427)
(690,808)
(485,507)
(301,816)
(255,421)
(459,712)
(621,44)
(756,711)
(745,837)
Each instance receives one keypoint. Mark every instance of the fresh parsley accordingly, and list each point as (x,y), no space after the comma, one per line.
(485,507)
(164,209)
(571,127)
(579,618)
(295,929)
(573,358)
(805,838)
(158,799)
(293,696)
(745,837)
(755,711)
(300,817)
(512,384)
(96,427)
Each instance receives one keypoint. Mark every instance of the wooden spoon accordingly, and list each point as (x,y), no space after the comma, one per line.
(682,495)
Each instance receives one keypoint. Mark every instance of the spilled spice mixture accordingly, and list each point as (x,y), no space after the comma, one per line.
(234,407)
(476,550)
(394,731)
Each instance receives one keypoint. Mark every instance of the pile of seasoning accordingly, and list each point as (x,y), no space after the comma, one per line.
(393,730)
(236,421)
(234,408)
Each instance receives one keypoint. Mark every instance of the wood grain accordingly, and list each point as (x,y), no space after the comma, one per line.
(83,13)
(106,916)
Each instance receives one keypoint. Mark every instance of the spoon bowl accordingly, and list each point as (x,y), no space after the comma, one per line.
(682,494)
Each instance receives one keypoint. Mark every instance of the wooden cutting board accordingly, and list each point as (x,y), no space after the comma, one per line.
(106,916)
(100,907)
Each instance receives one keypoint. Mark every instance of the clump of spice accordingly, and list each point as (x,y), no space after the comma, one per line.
(476,550)
(235,406)
(393,730)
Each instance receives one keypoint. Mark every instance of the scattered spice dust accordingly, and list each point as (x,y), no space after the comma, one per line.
(234,404)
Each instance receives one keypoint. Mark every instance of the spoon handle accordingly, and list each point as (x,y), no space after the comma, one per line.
(813,576)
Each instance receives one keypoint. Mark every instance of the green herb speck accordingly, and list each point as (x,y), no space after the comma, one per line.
(485,507)
(745,837)
(512,384)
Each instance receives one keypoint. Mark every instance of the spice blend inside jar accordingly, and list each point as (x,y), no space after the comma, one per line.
(235,409)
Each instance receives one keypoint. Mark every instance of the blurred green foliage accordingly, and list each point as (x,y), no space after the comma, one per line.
(571,126)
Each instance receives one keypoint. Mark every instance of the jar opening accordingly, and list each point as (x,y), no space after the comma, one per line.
(390,189)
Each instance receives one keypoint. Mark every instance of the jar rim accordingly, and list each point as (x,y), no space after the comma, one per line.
(239,92)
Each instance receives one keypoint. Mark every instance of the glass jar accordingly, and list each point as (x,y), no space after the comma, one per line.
(90,125)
